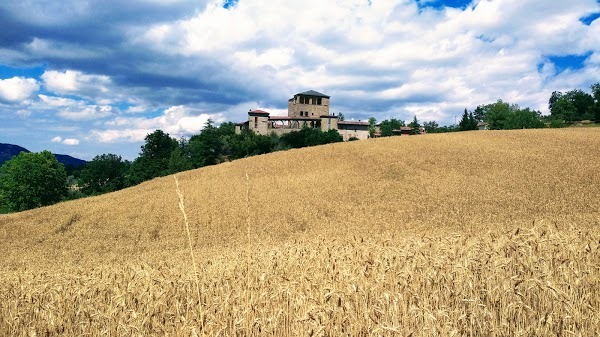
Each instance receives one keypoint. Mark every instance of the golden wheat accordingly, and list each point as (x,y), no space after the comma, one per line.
(469,234)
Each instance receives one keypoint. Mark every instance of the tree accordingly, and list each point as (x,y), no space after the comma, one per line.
(388,126)
(105,173)
(583,103)
(207,147)
(564,109)
(524,119)
(341,117)
(497,114)
(154,159)
(504,116)
(575,105)
(310,137)
(414,125)
(372,123)
(32,180)
(479,113)
(431,127)
(179,161)
(596,94)
(555,97)
(467,122)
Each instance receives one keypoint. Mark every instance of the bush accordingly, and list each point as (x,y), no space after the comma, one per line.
(557,123)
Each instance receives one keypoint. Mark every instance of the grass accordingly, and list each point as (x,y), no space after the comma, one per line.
(466,234)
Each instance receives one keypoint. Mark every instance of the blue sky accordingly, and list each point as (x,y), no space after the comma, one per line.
(91,77)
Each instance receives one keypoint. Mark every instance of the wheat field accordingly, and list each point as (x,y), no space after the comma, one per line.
(490,233)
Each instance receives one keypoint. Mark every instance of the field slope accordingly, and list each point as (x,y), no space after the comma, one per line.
(476,233)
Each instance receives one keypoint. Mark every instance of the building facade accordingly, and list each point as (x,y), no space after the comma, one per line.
(306,109)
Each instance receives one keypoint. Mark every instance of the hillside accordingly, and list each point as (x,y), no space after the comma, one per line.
(492,232)
(7,151)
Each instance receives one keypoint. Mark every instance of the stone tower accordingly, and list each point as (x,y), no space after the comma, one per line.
(308,104)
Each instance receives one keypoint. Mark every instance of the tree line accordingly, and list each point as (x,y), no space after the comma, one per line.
(32,180)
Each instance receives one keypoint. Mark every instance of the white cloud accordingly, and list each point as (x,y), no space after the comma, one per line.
(75,82)
(54,101)
(67,141)
(17,89)
(490,50)
(86,113)
(71,141)
(177,121)
(120,135)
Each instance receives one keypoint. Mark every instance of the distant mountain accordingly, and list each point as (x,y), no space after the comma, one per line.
(7,151)
(68,160)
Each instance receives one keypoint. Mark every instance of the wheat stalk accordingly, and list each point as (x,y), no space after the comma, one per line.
(248,257)
(187,230)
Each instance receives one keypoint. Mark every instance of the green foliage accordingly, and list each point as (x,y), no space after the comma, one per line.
(596,109)
(574,105)
(431,127)
(504,116)
(414,125)
(479,114)
(341,117)
(154,159)
(351,139)
(372,123)
(556,123)
(310,137)
(249,144)
(31,180)
(564,109)
(179,161)
(525,119)
(388,126)
(207,148)
(105,173)
(467,122)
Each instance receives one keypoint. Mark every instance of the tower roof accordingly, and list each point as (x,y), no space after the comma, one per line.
(312,93)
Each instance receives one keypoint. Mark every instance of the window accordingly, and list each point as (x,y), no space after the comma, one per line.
(319,101)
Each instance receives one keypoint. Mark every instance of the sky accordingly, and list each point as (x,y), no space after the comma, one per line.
(90,77)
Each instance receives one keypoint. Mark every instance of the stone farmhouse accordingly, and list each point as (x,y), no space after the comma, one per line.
(305,109)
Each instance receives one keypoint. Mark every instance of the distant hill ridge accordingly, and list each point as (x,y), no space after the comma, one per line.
(7,151)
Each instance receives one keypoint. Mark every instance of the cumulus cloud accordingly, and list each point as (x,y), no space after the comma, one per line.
(17,89)
(177,121)
(67,141)
(70,81)
(394,52)
(71,141)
